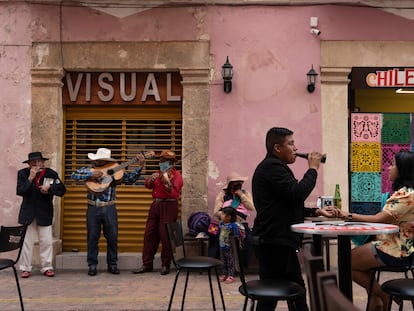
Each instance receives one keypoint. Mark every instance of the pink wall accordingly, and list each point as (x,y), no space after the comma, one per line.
(15,113)
(271,49)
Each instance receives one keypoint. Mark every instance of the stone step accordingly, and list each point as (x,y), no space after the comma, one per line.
(77,261)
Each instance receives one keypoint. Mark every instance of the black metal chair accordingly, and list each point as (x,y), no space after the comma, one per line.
(376,273)
(399,290)
(11,239)
(264,289)
(330,297)
(190,263)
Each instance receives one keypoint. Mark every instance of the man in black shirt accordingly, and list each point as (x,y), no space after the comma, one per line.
(279,200)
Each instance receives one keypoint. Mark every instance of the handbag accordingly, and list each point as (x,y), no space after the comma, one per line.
(213,228)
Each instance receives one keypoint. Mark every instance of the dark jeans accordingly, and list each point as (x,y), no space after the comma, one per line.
(107,218)
(279,262)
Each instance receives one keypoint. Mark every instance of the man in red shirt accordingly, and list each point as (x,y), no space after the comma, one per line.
(166,184)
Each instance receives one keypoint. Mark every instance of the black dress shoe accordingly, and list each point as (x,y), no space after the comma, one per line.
(143,269)
(164,270)
(113,270)
(92,271)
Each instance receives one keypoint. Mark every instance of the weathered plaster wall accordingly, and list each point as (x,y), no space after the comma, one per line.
(270,59)
(15,104)
(270,48)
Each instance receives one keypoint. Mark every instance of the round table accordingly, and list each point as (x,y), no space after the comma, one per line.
(344,230)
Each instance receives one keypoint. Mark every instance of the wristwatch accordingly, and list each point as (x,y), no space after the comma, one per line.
(349,217)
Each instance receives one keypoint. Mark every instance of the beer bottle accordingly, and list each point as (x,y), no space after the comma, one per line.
(337,197)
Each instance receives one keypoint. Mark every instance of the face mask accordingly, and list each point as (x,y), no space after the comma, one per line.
(164,166)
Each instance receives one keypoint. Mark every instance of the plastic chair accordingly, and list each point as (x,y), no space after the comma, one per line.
(264,289)
(376,273)
(190,263)
(11,239)
(330,297)
(402,289)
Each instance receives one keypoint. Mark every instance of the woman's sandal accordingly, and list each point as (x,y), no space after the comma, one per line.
(49,273)
(25,274)
(229,280)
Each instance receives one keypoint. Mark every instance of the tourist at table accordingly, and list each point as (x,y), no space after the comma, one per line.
(388,249)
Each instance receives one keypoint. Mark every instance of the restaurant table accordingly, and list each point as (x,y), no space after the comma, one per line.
(344,230)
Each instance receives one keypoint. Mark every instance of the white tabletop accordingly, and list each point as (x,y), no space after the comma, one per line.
(344,228)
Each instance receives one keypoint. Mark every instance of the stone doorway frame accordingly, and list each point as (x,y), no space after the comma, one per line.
(190,58)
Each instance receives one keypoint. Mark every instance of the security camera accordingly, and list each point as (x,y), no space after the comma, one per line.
(315,31)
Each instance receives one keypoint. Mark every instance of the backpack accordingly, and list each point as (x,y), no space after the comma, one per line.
(198,222)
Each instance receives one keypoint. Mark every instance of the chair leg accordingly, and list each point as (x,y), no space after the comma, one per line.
(291,305)
(328,254)
(211,290)
(220,290)
(185,289)
(252,305)
(245,303)
(389,303)
(371,286)
(378,275)
(173,289)
(18,288)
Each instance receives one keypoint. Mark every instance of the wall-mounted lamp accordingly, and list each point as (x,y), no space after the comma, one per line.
(312,75)
(227,74)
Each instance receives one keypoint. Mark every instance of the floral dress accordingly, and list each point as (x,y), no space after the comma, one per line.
(401,207)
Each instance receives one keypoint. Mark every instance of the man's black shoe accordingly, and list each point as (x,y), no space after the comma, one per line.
(113,270)
(92,271)
(143,269)
(164,270)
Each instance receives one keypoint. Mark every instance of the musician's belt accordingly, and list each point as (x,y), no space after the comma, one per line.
(164,200)
(100,204)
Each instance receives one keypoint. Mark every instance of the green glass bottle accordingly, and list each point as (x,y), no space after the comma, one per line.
(337,197)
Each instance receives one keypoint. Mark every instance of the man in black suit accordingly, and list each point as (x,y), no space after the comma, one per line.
(37,185)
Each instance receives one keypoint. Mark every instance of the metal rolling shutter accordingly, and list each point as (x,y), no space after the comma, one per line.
(126,131)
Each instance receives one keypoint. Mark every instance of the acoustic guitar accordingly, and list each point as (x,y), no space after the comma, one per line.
(110,171)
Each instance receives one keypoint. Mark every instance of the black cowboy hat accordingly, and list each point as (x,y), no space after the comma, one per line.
(35,156)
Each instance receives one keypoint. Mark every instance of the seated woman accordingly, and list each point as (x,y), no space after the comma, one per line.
(388,249)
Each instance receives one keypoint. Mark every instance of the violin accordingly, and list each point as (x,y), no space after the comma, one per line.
(166,178)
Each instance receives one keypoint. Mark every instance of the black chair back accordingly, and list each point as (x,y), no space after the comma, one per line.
(12,238)
(176,239)
(313,265)
(238,261)
(331,298)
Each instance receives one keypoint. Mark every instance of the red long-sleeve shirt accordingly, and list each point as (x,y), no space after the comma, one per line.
(160,191)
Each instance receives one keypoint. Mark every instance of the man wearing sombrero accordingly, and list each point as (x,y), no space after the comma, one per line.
(101,212)
(166,187)
(37,185)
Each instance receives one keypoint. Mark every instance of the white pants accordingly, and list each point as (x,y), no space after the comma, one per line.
(44,233)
